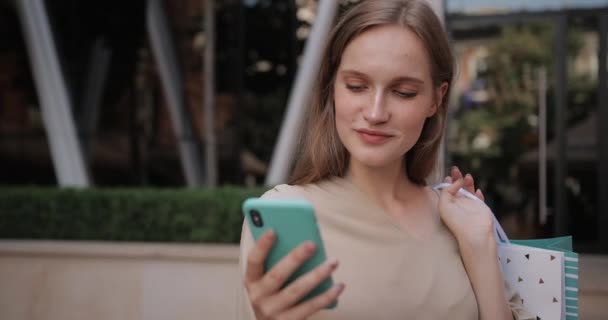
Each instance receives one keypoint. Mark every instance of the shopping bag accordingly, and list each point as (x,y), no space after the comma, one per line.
(544,272)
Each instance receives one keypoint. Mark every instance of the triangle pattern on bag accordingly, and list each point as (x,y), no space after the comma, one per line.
(528,256)
(541,281)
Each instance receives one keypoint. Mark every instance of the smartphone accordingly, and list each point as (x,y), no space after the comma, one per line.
(293,222)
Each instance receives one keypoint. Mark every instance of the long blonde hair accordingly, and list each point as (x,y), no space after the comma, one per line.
(321,153)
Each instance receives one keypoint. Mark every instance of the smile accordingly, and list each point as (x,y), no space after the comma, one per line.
(373,137)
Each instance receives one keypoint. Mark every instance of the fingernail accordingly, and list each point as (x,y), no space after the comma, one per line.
(333,263)
(270,234)
(310,246)
(339,287)
(469,175)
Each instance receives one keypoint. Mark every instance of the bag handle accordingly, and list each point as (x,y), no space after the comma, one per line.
(499,234)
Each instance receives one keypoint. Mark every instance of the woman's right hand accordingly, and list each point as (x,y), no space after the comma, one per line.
(269,299)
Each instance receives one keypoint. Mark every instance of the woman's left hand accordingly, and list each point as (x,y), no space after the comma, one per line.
(469,220)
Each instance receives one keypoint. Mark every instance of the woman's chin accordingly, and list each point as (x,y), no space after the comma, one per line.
(376,160)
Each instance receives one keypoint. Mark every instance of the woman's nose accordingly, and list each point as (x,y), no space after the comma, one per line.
(376,111)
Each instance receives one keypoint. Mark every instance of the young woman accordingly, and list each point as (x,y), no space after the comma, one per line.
(373,133)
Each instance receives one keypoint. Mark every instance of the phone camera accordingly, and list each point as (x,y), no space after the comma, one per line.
(256,217)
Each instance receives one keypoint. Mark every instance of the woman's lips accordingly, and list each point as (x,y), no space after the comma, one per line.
(373,137)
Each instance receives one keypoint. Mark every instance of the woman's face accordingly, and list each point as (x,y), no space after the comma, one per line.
(383,94)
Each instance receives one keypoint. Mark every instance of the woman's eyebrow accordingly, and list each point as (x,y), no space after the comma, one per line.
(354,73)
(408,79)
(402,79)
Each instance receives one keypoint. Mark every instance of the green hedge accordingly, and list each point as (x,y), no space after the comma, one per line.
(165,215)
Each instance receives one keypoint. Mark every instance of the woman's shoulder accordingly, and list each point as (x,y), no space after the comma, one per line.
(333,188)
(286,191)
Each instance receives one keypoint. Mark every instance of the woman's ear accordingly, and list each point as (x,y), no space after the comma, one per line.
(439,96)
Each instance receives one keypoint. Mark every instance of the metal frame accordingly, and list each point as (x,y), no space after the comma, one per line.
(172,83)
(542,145)
(459,21)
(68,161)
(209,92)
(603,132)
(561,218)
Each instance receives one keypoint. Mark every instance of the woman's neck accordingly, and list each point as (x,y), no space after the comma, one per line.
(385,185)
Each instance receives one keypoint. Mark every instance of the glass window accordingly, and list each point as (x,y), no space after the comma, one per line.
(475,7)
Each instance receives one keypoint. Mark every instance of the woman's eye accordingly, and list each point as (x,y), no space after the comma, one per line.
(405,94)
(355,88)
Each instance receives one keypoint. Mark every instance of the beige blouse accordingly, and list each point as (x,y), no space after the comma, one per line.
(388,274)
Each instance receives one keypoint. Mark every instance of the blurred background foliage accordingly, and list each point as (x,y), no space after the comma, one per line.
(494,133)
(494,125)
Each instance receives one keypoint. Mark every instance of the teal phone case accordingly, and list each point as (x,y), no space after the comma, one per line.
(294,222)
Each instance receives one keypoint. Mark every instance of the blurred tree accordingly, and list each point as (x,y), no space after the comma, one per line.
(494,133)
(489,136)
